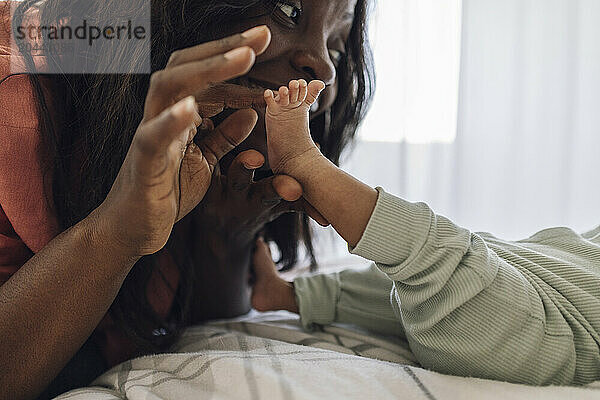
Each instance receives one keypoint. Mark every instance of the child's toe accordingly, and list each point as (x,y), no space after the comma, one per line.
(270,98)
(314,90)
(303,90)
(284,96)
(294,90)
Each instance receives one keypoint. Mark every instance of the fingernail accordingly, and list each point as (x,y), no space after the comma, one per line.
(254,32)
(237,53)
(186,105)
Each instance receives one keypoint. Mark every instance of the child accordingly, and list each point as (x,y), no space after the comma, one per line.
(469,304)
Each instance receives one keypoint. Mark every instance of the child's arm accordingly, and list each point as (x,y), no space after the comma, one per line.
(343,200)
(359,297)
(471,305)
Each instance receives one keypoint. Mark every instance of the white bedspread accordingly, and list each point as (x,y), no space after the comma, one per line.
(268,356)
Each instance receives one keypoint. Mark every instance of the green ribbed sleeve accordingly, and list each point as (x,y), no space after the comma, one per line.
(360,297)
(473,305)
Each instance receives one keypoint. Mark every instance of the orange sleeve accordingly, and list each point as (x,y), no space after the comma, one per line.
(27,222)
(13,252)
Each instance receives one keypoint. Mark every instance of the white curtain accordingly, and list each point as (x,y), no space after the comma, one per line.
(487,110)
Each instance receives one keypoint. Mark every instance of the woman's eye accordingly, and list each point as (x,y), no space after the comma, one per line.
(290,11)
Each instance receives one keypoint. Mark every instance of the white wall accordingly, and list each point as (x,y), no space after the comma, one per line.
(524,153)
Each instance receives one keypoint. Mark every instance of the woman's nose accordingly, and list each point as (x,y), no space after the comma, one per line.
(314,65)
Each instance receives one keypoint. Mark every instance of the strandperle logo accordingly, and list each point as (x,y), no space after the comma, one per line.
(85,31)
(88,38)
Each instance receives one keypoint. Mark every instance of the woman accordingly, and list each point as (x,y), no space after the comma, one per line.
(86,126)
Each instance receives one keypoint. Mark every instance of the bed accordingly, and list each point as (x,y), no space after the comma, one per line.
(269,356)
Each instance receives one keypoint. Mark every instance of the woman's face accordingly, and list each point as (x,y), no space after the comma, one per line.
(308,37)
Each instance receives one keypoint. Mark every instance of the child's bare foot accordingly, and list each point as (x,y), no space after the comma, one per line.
(287,120)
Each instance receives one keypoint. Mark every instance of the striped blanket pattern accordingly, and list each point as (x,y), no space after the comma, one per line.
(269,356)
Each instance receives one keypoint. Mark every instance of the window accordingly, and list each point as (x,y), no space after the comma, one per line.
(417,57)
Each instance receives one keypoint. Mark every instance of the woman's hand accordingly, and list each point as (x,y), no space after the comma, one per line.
(165,173)
(222,229)
(236,207)
(270,292)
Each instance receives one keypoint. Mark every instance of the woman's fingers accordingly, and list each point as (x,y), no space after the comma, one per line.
(287,187)
(171,125)
(190,71)
(229,134)
(215,98)
(301,205)
(174,83)
(241,171)
(263,192)
(269,192)
(257,39)
(218,68)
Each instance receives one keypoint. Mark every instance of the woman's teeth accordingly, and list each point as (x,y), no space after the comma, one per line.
(315,107)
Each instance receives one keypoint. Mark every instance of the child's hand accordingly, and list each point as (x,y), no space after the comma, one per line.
(287,119)
(270,292)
